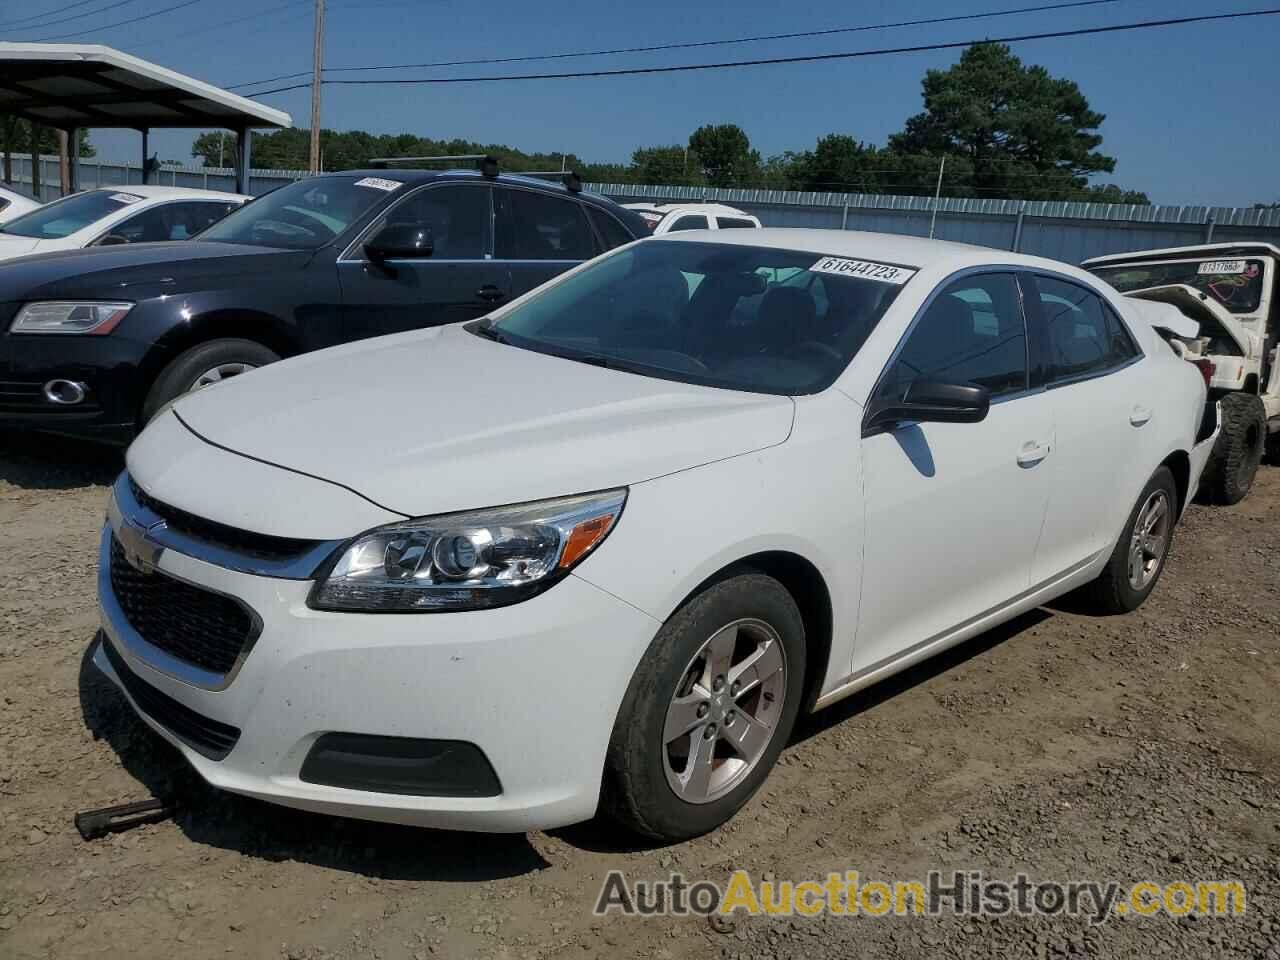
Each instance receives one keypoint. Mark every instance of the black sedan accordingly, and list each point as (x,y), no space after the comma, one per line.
(95,341)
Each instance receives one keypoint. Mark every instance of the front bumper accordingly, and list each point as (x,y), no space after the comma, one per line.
(535,686)
(109,367)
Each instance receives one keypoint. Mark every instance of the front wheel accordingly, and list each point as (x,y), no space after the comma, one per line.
(709,709)
(1138,558)
(202,366)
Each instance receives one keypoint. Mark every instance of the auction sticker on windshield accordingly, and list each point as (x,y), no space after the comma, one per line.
(1221,267)
(865,269)
(377,183)
(125,198)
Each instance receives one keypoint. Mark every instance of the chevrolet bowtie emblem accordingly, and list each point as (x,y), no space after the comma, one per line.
(140,549)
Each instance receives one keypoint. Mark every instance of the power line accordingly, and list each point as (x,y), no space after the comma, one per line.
(811,58)
(258,15)
(119,23)
(47,13)
(698,43)
(76,16)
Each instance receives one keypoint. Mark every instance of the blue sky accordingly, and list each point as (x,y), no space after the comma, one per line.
(1191,110)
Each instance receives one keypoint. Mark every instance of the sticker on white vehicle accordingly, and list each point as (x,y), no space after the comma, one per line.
(377,183)
(865,269)
(125,198)
(1219,267)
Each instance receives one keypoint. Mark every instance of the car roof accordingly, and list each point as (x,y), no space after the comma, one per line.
(152,191)
(1173,253)
(670,208)
(414,178)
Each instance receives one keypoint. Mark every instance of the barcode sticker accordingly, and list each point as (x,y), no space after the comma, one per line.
(377,183)
(1220,267)
(864,269)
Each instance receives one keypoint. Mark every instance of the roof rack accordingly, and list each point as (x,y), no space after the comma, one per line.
(485,163)
(570,178)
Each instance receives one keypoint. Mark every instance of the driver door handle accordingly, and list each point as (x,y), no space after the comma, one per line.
(490,292)
(1140,415)
(1032,453)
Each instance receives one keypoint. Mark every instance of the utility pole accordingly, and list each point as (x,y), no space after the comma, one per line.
(317,67)
(937,195)
(222,142)
(64,164)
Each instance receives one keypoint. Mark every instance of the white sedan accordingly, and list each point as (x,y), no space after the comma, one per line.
(136,214)
(14,204)
(602,548)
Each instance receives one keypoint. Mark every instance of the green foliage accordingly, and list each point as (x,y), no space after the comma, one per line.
(725,154)
(15,138)
(1005,130)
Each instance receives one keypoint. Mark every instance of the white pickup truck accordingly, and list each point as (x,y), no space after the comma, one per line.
(1230,290)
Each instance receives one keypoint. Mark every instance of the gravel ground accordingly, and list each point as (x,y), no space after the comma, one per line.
(1130,748)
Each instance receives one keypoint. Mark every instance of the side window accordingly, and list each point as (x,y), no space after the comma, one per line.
(734,223)
(972,332)
(148,226)
(456,218)
(538,226)
(1123,349)
(689,221)
(1081,336)
(4,204)
(188,219)
(611,231)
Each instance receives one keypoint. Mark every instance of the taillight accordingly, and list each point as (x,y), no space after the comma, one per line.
(1206,368)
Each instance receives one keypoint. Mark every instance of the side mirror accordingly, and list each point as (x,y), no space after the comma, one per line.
(929,401)
(399,241)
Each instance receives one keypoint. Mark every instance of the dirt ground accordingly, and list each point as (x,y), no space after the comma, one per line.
(1130,748)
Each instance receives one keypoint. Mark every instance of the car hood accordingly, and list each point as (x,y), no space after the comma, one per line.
(15,246)
(440,420)
(137,270)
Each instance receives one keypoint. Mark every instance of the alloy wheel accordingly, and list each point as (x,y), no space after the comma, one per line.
(1149,541)
(221,372)
(725,711)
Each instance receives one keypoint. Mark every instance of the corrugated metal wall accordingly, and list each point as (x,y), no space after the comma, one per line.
(1062,231)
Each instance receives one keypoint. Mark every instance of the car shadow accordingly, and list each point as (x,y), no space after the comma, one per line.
(265,831)
(36,461)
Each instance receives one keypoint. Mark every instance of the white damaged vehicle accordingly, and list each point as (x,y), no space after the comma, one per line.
(600,549)
(1229,290)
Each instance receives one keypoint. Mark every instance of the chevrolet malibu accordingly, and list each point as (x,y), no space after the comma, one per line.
(599,549)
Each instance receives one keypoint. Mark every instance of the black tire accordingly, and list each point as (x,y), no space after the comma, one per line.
(1112,592)
(180,375)
(636,791)
(1235,458)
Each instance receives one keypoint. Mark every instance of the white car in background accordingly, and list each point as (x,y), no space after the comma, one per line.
(671,217)
(678,524)
(14,204)
(138,214)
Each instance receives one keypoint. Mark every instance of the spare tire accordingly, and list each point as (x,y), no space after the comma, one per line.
(1239,449)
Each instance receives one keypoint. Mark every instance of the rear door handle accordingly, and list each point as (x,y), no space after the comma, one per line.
(1032,453)
(490,292)
(1139,415)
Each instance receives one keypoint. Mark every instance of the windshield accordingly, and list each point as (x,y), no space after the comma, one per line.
(745,318)
(69,215)
(304,215)
(1235,284)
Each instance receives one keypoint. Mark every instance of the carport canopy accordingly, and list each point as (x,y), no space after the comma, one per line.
(70,86)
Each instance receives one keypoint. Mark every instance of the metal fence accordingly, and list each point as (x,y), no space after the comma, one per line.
(1065,231)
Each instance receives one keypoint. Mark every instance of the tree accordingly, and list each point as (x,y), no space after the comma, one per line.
(725,154)
(1024,132)
(673,165)
(838,163)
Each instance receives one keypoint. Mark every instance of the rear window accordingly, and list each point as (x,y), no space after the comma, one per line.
(70,214)
(734,223)
(1233,282)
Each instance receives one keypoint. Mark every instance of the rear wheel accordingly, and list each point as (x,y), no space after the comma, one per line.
(202,366)
(1139,556)
(1239,448)
(708,711)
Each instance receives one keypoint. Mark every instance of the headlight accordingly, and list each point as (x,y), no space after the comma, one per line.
(467,561)
(52,316)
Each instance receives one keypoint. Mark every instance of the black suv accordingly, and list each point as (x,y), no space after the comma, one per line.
(95,341)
